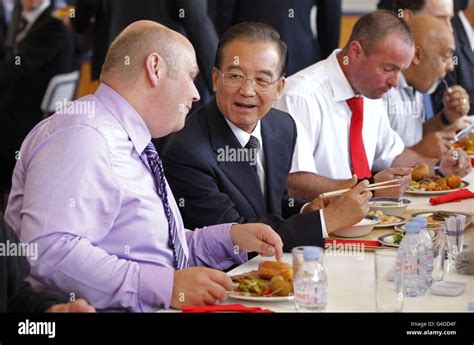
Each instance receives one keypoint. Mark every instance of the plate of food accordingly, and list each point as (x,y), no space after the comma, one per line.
(423,184)
(393,240)
(436,219)
(466,144)
(272,282)
(387,221)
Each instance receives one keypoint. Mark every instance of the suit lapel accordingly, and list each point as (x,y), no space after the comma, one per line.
(464,40)
(273,160)
(239,173)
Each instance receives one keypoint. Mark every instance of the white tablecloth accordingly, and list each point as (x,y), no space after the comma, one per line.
(351,285)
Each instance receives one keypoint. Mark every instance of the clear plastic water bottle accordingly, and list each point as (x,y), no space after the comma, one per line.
(409,258)
(428,243)
(310,282)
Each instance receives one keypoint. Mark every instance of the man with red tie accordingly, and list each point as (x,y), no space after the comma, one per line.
(342,124)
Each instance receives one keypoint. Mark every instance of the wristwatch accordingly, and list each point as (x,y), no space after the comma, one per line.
(437,169)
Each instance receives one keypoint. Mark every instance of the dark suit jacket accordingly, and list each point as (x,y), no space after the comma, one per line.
(99,30)
(46,50)
(303,48)
(16,294)
(189,17)
(216,192)
(463,73)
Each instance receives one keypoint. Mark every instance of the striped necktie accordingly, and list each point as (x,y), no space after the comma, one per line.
(180,258)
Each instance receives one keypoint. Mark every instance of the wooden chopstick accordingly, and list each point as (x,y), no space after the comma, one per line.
(383,183)
(342,191)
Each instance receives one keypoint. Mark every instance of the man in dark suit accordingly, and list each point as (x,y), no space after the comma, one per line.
(42,48)
(291,18)
(231,161)
(463,73)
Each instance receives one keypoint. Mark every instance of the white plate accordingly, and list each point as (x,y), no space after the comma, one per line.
(427,214)
(261,298)
(387,240)
(401,221)
(464,184)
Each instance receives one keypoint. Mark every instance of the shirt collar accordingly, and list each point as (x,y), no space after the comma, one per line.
(242,136)
(126,115)
(31,16)
(341,88)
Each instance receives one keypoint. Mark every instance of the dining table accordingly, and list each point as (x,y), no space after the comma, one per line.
(351,274)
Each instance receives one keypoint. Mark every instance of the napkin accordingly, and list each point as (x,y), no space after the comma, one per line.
(452,197)
(225,307)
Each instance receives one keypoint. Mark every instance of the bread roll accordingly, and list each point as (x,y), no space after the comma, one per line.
(420,171)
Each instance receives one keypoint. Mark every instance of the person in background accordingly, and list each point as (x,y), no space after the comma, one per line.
(434,48)
(90,190)
(463,74)
(343,127)
(42,48)
(292,20)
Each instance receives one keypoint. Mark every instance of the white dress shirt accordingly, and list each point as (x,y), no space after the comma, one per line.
(243,138)
(468,28)
(406,112)
(316,98)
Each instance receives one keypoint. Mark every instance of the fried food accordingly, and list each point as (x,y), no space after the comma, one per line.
(454,182)
(280,287)
(271,279)
(436,184)
(420,171)
(269,269)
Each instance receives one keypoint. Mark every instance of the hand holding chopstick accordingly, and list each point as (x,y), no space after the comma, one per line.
(371,187)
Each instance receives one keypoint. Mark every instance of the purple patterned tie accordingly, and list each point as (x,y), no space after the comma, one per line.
(180,259)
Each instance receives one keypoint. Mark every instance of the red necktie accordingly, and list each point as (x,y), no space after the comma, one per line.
(360,165)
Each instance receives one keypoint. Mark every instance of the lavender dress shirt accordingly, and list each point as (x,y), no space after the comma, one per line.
(82,191)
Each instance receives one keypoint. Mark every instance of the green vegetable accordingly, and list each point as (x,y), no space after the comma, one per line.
(398,238)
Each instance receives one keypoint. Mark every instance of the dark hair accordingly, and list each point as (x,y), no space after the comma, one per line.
(412,5)
(376,26)
(253,32)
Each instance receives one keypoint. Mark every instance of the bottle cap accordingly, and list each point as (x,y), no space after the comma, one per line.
(421,220)
(311,253)
(412,228)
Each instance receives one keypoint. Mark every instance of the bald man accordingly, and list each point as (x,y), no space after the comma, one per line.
(434,48)
(89,189)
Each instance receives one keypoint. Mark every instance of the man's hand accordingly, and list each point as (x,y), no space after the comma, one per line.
(402,174)
(256,237)
(459,125)
(434,145)
(199,286)
(456,103)
(451,166)
(79,306)
(348,208)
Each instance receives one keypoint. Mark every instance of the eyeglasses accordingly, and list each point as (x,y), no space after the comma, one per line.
(238,80)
